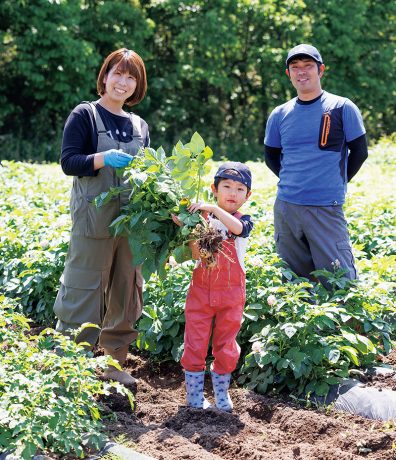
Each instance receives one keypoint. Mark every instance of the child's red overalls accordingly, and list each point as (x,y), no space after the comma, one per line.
(215,300)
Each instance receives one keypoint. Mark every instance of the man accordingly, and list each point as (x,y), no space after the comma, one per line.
(307,141)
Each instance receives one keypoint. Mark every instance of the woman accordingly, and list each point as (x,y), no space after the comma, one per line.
(99,284)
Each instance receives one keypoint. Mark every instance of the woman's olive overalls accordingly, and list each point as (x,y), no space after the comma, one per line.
(99,283)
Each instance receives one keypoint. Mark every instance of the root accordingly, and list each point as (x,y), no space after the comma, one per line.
(210,243)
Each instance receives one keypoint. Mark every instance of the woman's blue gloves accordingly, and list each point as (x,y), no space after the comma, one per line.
(117,158)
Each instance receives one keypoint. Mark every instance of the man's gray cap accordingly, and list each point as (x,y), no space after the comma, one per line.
(304,50)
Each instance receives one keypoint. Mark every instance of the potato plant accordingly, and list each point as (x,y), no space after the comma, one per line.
(311,337)
(161,327)
(303,337)
(159,186)
(34,236)
(48,390)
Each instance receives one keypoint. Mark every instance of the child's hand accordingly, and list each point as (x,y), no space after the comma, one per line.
(176,220)
(194,207)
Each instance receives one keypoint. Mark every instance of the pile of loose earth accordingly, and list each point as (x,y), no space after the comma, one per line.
(259,428)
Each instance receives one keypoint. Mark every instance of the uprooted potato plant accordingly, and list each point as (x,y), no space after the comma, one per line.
(159,186)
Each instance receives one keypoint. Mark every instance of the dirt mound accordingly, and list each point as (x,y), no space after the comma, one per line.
(391,358)
(260,428)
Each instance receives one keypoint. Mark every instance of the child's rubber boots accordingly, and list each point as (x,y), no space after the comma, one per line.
(194,390)
(221,383)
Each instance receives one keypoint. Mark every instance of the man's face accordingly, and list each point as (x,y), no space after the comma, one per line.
(305,76)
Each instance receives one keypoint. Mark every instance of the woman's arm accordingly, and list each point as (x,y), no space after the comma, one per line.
(79,143)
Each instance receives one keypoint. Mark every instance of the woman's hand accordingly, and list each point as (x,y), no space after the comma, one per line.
(116,158)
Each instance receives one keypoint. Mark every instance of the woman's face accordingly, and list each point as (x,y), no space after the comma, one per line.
(119,86)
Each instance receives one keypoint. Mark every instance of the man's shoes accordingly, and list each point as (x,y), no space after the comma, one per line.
(111,373)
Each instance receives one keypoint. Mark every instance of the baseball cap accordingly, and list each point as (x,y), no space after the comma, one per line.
(304,50)
(244,177)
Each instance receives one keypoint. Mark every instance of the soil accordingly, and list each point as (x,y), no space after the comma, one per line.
(260,427)
(390,359)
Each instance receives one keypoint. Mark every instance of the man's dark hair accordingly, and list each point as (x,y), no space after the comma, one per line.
(299,57)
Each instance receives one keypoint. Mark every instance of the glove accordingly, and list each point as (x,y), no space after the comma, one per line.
(117,158)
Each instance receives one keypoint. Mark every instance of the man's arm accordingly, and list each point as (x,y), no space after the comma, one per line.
(357,156)
(272,156)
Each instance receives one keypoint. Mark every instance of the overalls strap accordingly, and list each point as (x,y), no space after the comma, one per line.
(100,127)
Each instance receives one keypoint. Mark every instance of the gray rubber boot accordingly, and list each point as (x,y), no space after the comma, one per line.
(221,384)
(194,390)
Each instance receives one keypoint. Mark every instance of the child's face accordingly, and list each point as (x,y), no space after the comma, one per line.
(230,195)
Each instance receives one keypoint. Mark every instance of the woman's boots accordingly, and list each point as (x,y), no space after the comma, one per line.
(112,373)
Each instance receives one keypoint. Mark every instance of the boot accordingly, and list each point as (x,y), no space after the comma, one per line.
(112,373)
(194,389)
(221,383)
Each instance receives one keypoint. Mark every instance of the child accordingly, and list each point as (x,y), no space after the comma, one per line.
(216,296)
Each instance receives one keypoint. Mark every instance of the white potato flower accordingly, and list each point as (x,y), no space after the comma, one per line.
(271,300)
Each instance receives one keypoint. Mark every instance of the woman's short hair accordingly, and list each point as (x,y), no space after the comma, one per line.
(126,61)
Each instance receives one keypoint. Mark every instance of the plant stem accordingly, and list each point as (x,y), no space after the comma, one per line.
(199,185)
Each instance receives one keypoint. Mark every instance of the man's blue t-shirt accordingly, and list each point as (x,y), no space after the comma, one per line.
(313,139)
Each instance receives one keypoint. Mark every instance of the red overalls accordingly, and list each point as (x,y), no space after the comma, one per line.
(215,301)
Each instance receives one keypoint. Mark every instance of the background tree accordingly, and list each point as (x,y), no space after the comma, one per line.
(216,67)
(49,59)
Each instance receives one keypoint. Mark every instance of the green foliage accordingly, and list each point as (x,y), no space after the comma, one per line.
(159,186)
(337,331)
(50,54)
(216,67)
(311,337)
(358,58)
(224,62)
(48,391)
(161,327)
(34,235)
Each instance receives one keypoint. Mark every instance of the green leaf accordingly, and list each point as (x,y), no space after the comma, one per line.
(177,350)
(282,364)
(173,331)
(182,253)
(333,355)
(196,144)
(255,306)
(251,316)
(264,358)
(290,330)
(365,345)
(351,353)
(321,389)
(352,338)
